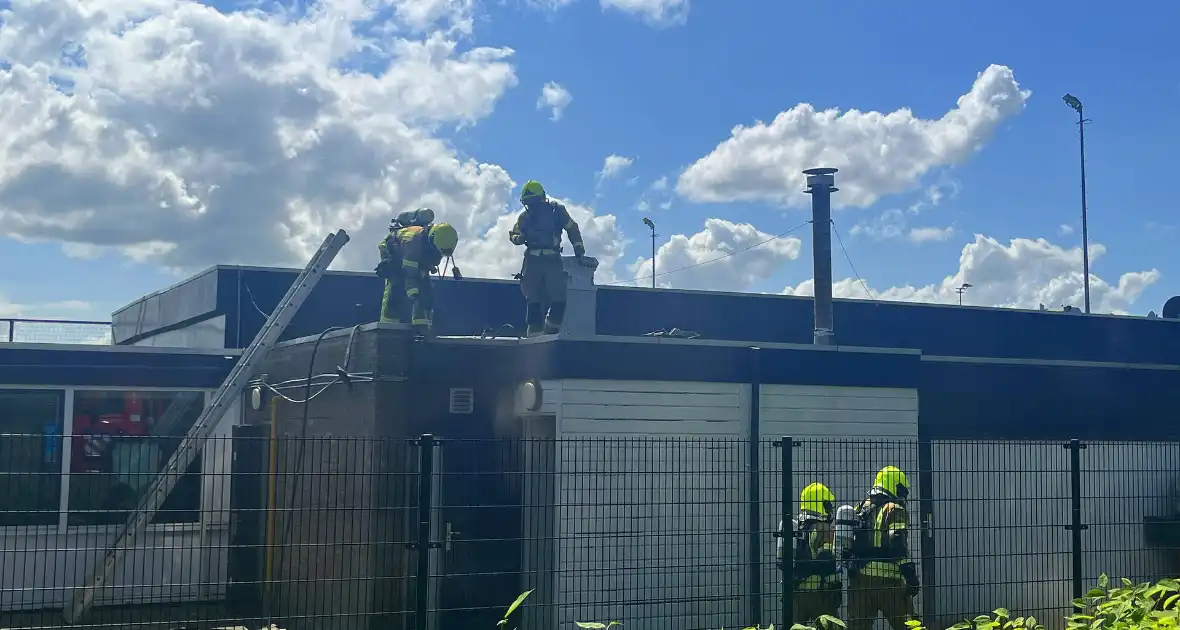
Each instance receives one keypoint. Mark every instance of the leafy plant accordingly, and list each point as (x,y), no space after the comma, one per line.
(823,622)
(1127,607)
(1000,619)
(511,609)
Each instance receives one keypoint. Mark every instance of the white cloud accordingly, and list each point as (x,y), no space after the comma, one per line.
(613,166)
(655,12)
(893,224)
(1065,229)
(660,184)
(1023,274)
(878,154)
(554,98)
(927,234)
(710,259)
(181,135)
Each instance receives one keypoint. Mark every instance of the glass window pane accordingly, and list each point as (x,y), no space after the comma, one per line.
(30,456)
(122,439)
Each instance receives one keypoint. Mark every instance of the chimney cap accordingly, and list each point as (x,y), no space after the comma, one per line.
(821,171)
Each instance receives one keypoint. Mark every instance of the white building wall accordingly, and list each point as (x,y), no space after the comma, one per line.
(847,434)
(41,565)
(650,529)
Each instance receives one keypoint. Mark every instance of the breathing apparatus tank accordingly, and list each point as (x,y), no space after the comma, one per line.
(420,217)
(845,523)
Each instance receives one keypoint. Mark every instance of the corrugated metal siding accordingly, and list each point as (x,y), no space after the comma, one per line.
(651,532)
(847,435)
(999,514)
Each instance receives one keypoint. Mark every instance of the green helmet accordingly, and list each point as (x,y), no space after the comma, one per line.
(817,498)
(532,192)
(445,238)
(892,480)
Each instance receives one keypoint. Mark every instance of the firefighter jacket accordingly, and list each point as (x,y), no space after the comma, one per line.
(539,227)
(880,546)
(815,565)
(408,252)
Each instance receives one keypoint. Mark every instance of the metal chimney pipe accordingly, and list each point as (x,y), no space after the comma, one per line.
(821,185)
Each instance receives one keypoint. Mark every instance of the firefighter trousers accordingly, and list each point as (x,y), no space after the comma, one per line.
(869,596)
(809,605)
(543,283)
(395,304)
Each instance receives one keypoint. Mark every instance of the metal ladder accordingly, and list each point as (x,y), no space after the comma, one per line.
(188,449)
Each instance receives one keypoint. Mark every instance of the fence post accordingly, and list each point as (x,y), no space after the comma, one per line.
(1075,526)
(754,452)
(787,536)
(423,544)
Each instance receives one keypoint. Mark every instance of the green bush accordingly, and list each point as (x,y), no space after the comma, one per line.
(1126,607)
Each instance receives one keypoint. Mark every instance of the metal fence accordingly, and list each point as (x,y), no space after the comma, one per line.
(21,330)
(656,533)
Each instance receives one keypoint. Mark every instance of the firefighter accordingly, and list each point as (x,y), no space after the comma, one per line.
(816,589)
(409,254)
(542,276)
(882,577)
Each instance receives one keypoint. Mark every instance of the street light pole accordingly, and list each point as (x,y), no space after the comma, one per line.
(1076,104)
(648,222)
(961,290)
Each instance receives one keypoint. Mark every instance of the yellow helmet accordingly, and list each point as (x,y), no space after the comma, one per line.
(892,480)
(445,238)
(817,498)
(532,191)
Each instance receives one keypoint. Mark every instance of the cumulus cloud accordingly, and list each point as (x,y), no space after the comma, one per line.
(555,99)
(724,255)
(1025,273)
(613,166)
(183,135)
(878,153)
(655,12)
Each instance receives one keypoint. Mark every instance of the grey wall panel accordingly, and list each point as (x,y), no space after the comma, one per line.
(1121,484)
(191,299)
(999,511)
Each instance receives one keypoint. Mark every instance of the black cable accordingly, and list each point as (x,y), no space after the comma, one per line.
(864,285)
(303,437)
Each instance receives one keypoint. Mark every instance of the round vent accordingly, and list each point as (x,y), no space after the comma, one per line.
(1172,308)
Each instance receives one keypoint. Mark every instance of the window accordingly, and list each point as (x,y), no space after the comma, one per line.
(121,441)
(30,456)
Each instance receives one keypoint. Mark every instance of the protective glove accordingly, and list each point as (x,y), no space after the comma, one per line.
(580,254)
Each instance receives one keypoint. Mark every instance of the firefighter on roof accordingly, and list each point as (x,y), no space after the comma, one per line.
(816,586)
(409,254)
(882,577)
(542,276)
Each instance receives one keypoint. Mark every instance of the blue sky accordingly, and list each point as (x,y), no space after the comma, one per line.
(667,95)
